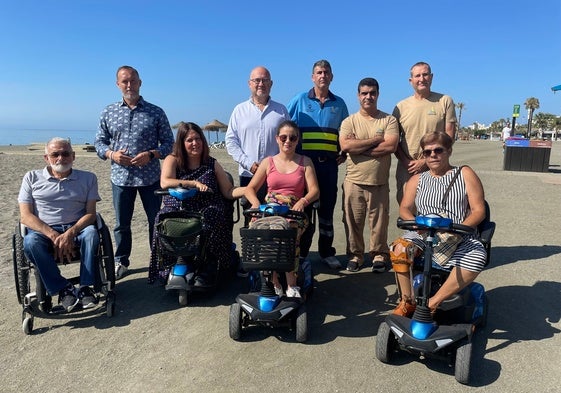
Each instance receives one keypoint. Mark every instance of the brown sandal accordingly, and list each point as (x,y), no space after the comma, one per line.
(405,308)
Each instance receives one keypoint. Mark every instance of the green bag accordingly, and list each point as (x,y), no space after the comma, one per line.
(180,227)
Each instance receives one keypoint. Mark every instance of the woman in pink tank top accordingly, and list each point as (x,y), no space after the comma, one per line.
(291,180)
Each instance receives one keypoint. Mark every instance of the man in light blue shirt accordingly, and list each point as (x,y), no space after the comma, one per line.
(253,126)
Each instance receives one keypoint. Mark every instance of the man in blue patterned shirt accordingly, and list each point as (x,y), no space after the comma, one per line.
(134,135)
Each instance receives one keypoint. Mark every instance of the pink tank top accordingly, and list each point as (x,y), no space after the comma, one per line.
(293,183)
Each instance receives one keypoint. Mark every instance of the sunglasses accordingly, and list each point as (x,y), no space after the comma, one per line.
(56,154)
(437,151)
(291,138)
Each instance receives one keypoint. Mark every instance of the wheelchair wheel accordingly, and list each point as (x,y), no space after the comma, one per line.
(27,323)
(110,304)
(107,257)
(235,321)
(21,267)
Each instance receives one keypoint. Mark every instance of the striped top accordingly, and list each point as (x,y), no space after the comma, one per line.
(430,192)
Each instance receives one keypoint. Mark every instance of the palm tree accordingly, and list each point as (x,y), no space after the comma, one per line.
(461,106)
(531,105)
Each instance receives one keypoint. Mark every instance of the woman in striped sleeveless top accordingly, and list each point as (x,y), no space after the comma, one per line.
(464,204)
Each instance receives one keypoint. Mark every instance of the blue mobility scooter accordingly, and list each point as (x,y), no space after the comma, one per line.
(31,292)
(265,251)
(448,333)
(182,248)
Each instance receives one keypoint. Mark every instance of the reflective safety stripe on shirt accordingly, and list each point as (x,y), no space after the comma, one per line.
(323,141)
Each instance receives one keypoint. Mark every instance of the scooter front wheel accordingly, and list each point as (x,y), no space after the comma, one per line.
(183,297)
(463,363)
(301,324)
(385,343)
(235,321)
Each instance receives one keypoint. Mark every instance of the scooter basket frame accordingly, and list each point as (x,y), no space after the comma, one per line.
(268,249)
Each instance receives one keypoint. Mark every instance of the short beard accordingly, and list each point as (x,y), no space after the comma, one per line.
(131,96)
(61,168)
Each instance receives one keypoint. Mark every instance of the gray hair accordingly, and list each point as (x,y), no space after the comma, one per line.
(420,63)
(58,139)
(323,64)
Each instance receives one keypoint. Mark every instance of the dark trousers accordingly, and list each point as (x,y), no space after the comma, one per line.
(326,172)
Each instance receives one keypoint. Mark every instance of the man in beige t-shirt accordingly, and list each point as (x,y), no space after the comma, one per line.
(369,137)
(424,111)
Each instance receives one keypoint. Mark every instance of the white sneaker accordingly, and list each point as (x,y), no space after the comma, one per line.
(293,292)
(332,262)
(120,270)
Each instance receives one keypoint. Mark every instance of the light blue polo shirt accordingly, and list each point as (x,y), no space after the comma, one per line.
(58,201)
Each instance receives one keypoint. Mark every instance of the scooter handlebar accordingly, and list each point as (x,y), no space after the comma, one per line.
(180,193)
(260,212)
(423,223)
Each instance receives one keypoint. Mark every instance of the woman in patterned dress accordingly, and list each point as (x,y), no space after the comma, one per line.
(190,165)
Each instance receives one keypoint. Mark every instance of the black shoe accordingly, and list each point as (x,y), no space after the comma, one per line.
(241,272)
(87,297)
(201,282)
(67,298)
(379,266)
(353,266)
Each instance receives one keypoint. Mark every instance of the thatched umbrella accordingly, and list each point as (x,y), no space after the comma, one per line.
(215,125)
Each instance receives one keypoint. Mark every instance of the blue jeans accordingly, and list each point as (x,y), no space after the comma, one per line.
(38,248)
(123,202)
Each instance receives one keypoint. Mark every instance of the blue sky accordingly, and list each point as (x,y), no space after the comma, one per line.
(58,58)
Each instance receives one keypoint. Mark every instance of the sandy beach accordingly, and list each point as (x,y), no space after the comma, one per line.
(152,344)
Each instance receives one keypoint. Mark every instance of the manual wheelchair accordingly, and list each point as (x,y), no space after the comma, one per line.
(31,292)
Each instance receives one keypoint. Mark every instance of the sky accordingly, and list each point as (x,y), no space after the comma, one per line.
(58,58)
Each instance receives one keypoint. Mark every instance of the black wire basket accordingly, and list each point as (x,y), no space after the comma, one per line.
(268,249)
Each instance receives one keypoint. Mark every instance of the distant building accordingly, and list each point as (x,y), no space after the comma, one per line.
(477,126)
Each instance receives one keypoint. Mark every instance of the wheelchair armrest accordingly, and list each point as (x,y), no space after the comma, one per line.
(486,231)
(22,229)
(99,222)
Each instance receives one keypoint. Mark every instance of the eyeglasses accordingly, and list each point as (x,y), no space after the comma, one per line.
(437,151)
(291,138)
(259,80)
(57,154)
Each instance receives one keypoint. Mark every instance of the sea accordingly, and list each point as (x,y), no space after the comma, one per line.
(78,137)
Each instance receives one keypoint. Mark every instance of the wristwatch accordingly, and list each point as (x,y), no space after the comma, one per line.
(152,155)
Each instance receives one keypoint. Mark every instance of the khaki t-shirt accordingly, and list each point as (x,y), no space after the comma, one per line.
(418,117)
(362,169)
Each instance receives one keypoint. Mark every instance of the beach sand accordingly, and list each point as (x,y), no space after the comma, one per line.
(153,344)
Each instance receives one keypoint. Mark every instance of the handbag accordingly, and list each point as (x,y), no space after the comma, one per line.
(446,242)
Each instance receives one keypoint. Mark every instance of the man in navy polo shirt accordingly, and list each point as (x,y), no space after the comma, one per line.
(319,113)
